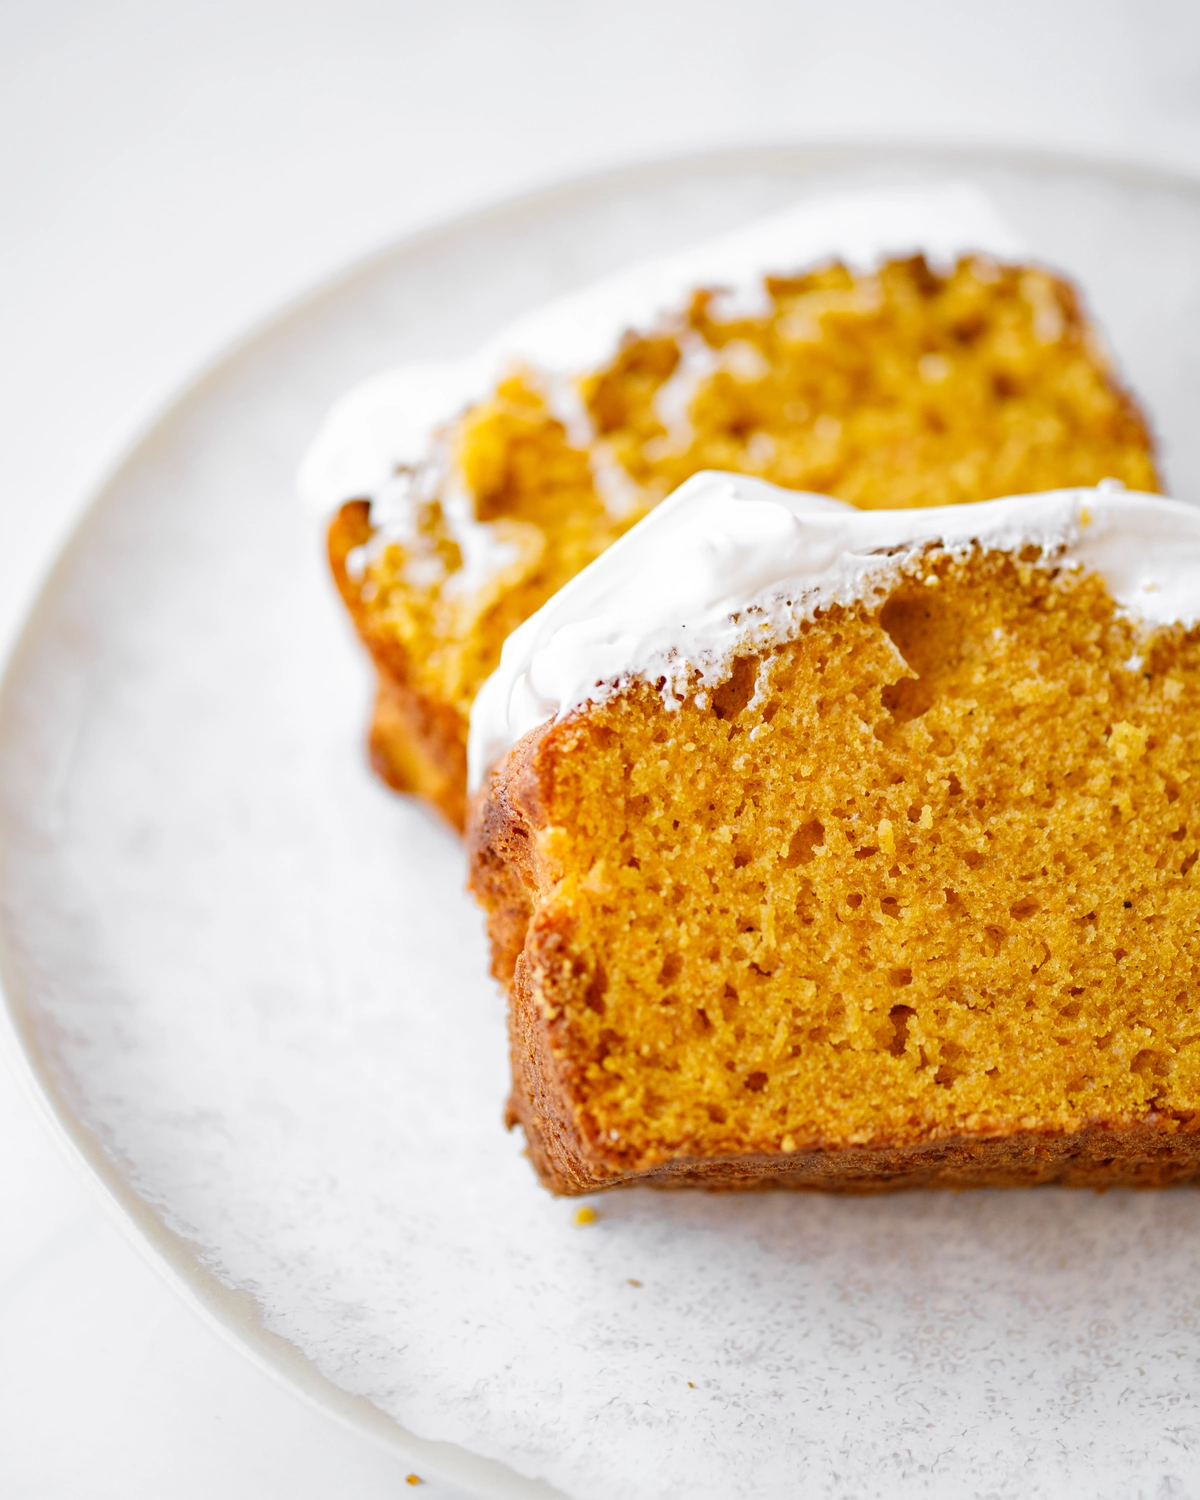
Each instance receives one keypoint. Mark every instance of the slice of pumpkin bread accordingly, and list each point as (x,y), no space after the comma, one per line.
(829,850)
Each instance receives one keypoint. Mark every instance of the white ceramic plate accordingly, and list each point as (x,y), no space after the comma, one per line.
(251,996)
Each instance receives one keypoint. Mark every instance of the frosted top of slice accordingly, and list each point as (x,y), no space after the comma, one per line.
(727,561)
(385,424)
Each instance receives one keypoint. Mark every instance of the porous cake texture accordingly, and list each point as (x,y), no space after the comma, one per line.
(902,895)
(908,384)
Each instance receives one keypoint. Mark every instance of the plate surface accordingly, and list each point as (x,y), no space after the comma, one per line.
(251,995)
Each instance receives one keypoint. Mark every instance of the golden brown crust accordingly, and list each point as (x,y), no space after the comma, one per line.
(416,744)
(502,873)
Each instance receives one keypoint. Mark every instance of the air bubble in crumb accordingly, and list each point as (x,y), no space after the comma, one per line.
(933,368)
(585,1215)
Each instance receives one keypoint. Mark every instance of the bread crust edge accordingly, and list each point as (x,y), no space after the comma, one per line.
(415,743)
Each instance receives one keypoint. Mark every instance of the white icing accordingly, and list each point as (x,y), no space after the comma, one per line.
(698,362)
(385,424)
(726,560)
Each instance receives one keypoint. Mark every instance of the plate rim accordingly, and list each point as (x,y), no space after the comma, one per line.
(235,1314)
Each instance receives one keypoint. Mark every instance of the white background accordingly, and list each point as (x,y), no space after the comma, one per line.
(171,171)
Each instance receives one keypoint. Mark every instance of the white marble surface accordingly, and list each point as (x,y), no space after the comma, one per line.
(168,175)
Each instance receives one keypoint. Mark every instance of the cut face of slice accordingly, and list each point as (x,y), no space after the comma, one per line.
(908,898)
